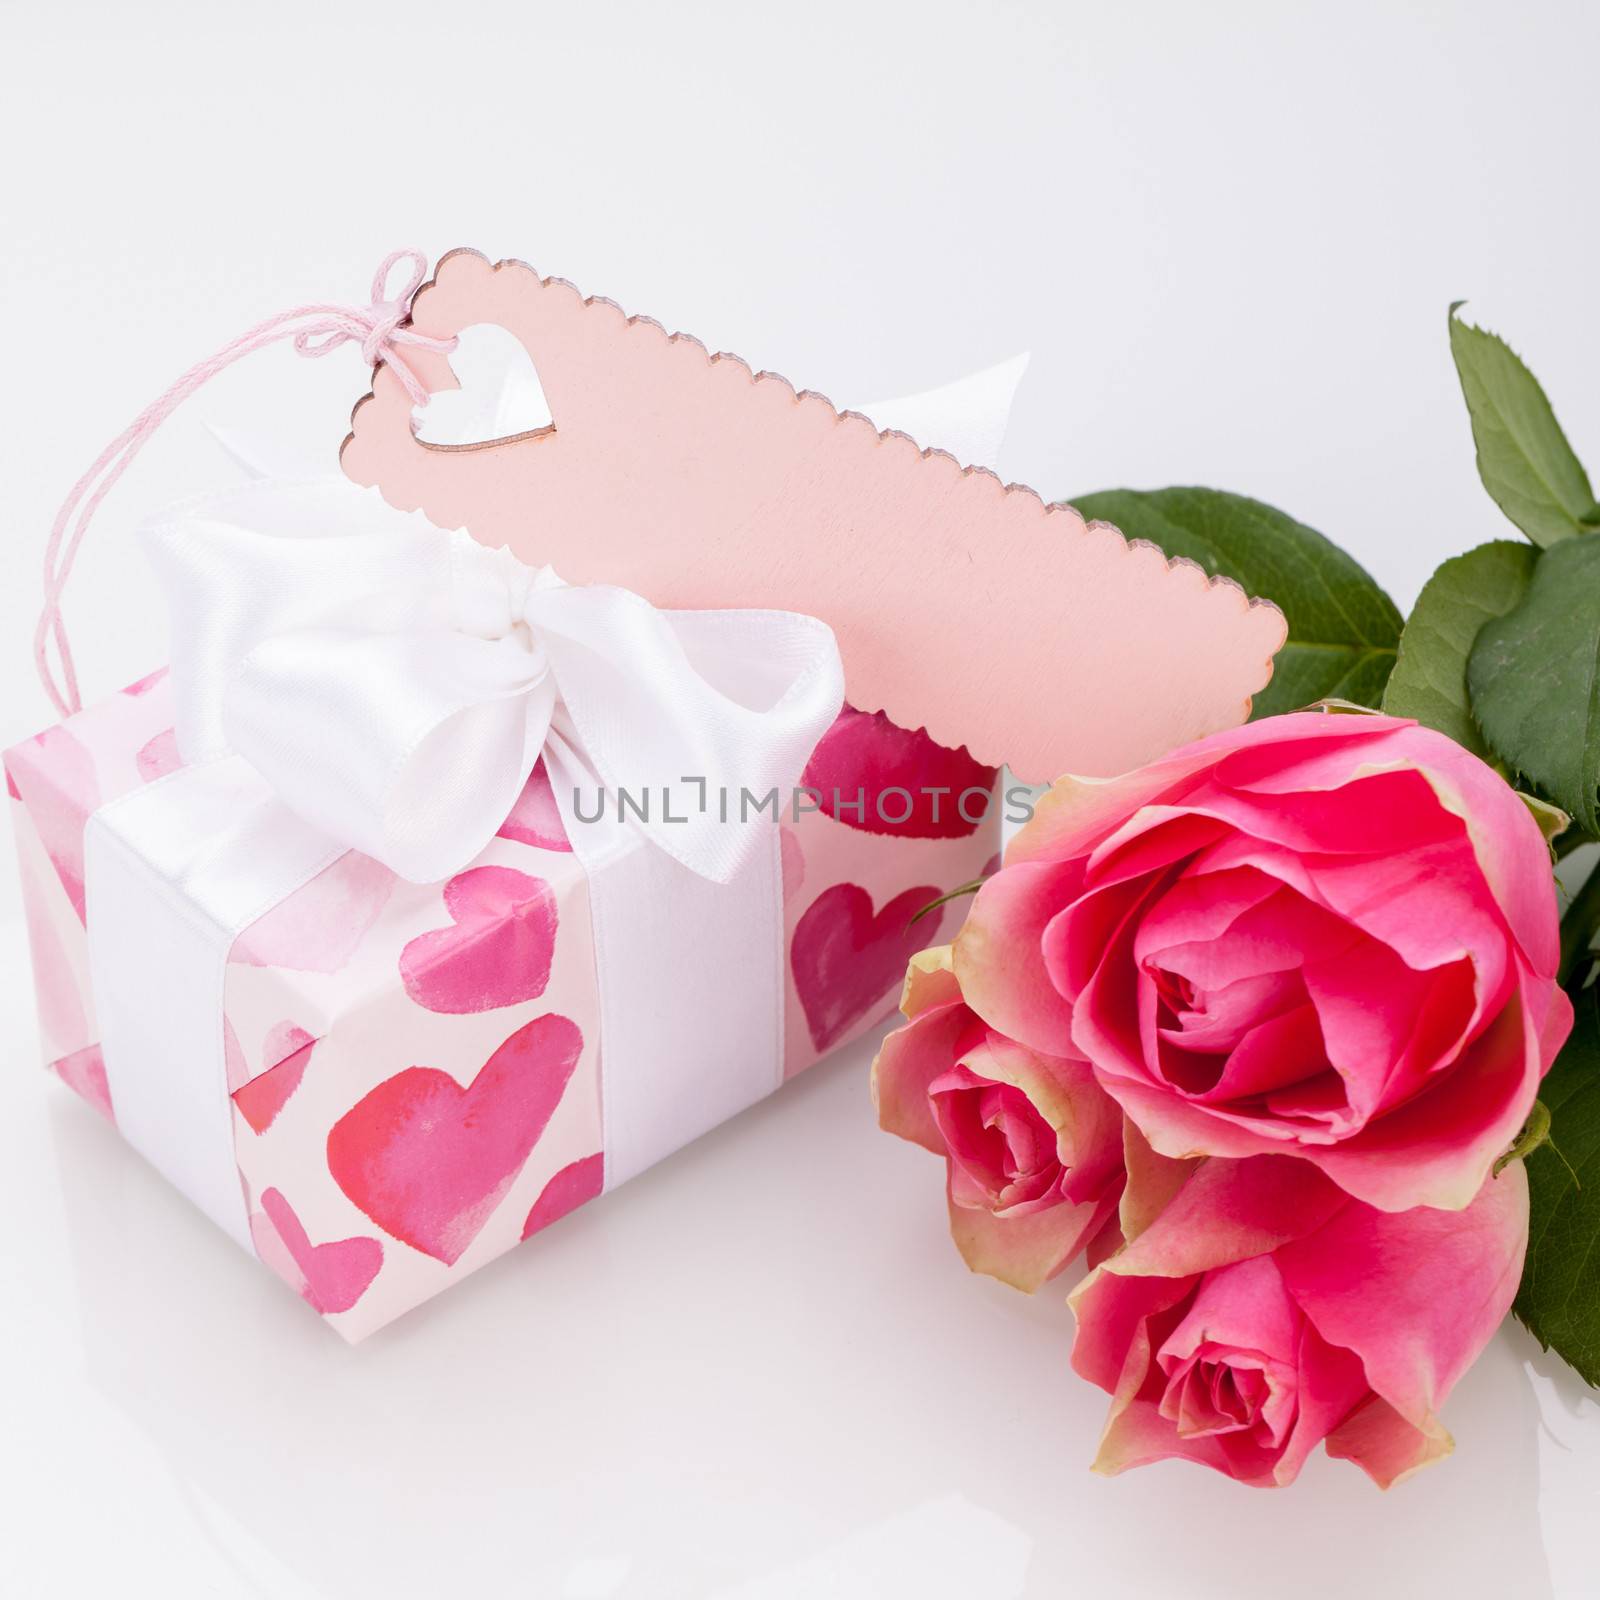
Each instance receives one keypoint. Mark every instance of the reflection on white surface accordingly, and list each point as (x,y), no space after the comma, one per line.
(946,1547)
(758,1372)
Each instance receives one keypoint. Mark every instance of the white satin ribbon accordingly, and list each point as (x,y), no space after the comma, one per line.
(349,677)
(395,684)
(174,872)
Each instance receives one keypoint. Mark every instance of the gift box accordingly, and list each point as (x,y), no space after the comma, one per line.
(414,1071)
(384,926)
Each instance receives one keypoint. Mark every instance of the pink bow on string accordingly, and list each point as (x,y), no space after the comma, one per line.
(379,328)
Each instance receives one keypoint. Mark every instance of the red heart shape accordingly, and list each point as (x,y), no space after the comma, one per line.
(864,755)
(261,1098)
(429,1160)
(329,1277)
(497,953)
(845,960)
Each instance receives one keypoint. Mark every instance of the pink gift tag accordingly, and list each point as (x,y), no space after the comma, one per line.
(962,605)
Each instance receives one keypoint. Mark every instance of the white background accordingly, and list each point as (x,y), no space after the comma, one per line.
(1228,233)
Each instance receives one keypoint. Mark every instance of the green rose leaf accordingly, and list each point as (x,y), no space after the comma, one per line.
(1560,1295)
(1532,675)
(1523,456)
(1429,681)
(1343,629)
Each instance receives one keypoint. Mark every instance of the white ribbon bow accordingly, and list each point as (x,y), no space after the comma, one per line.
(395,684)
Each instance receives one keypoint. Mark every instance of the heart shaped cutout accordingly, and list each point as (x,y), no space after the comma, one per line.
(499,397)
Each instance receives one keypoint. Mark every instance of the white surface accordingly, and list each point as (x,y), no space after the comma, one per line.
(1228,233)
(758,1371)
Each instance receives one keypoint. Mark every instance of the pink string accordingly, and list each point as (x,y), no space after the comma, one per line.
(316,329)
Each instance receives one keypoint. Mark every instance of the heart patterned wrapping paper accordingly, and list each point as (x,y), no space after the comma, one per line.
(415,1069)
(378,1028)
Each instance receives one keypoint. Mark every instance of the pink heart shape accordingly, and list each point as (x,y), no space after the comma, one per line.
(536,819)
(159,756)
(792,863)
(428,1160)
(329,1277)
(497,953)
(60,787)
(846,961)
(85,1071)
(261,1098)
(574,1185)
(864,755)
(147,682)
(321,925)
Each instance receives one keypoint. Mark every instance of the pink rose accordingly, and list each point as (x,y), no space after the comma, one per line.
(1261,1311)
(1330,936)
(1032,1145)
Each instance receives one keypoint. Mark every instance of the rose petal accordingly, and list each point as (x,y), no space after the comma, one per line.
(1183,1129)
(1255,1375)
(1076,813)
(1331,1382)
(1088,944)
(1431,907)
(908,1060)
(1437,1148)
(1280,933)
(1026,1251)
(1505,839)
(1103,1244)
(1244,1307)
(1328,804)
(1096,932)
(1137,1435)
(1229,1014)
(1002,1150)
(1283,1050)
(1384,1445)
(930,981)
(1067,1096)
(1111,1346)
(1154,837)
(1229,1211)
(1416,1294)
(1152,1181)
(998,959)
(1201,908)
(1371,1006)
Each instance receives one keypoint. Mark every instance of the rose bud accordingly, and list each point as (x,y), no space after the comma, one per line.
(1261,1311)
(1032,1145)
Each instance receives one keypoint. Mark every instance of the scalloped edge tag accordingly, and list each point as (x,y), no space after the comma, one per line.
(962,605)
